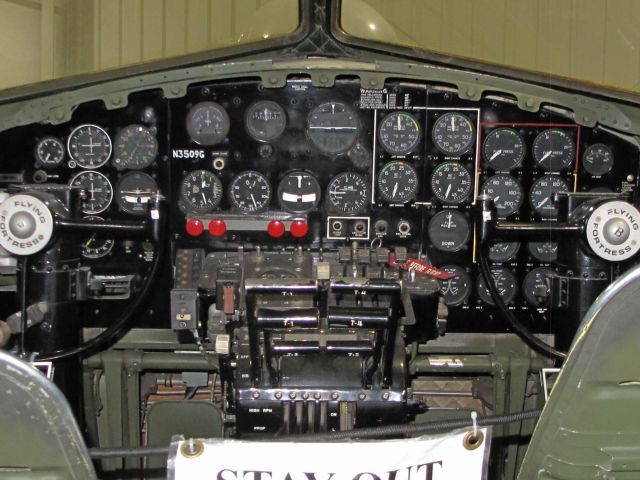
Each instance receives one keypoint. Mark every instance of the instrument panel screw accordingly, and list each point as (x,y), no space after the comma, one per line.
(385,396)
(278,395)
(335,396)
(317,396)
(362,396)
(255,395)
(305,395)
(292,395)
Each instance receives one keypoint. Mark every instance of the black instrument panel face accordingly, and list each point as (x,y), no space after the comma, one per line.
(395,167)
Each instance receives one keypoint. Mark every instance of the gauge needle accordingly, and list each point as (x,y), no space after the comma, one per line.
(446,194)
(91,238)
(495,200)
(46,159)
(497,153)
(449,217)
(395,189)
(546,155)
(453,124)
(204,197)
(254,202)
(399,125)
(543,202)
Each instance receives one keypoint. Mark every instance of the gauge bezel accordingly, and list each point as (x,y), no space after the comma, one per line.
(318,192)
(438,193)
(414,143)
(485,295)
(110,240)
(48,164)
(520,198)
(253,133)
(443,149)
(537,256)
(460,273)
(314,138)
(207,139)
(80,163)
(335,208)
(187,206)
(111,190)
(609,152)
(432,224)
(389,198)
(569,157)
(516,161)
(125,206)
(535,208)
(125,163)
(513,249)
(234,201)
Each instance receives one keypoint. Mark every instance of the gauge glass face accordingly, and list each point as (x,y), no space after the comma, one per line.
(597,159)
(503,149)
(505,282)
(135,148)
(96,246)
(333,127)
(399,133)
(451,182)
(456,290)
(299,192)
(208,123)
(89,146)
(250,192)
(398,182)
(50,152)
(265,120)
(506,193)
(449,230)
(553,150)
(503,251)
(453,133)
(542,193)
(200,191)
(545,252)
(133,192)
(98,189)
(348,193)
(535,287)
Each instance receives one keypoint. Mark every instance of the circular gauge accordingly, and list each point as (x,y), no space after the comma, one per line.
(200,191)
(348,193)
(545,252)
(535,288)
(399,133)
(453,133)
(503,149)
(506,193)
(597,159)
(96,246)
(135,148)
(456,290)
(333,127)
(89,146)
(208,123)
(449,230)
(99,191)
(299,192)
(451,182)
(50,152)
(542,193)
(398,182)
(265,120)
(503,251)
(133,192)
(250,192)
(506,284)
(553,150)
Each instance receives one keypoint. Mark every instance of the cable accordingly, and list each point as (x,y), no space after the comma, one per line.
(522,331)
(116,328)
(24,264)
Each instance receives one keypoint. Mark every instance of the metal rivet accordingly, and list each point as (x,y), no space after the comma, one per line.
(192,448)
(292,395)
(385,396)
(335,396)
(529,102)
(273,80)
(362,396)
(278,395)
(255,395)
(317,396)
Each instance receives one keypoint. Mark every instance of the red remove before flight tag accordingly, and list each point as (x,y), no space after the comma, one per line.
(420,267)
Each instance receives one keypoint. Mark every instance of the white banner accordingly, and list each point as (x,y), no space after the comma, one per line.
(435,457)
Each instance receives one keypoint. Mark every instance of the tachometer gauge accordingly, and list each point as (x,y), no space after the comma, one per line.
(98,189)
(535,286)
(399,133)
(133,192)
(553,150)
(545,252)
(250,192)
(449,230)
(398,182)
(96,246)
(135,148)
(50,152)
(506,193)
(505,282)
(503,149)
(597,159)
(347,193)
(333,127)
(451,182)
(453,133)
(89,146)
(456,290)
(542,193)
(299,192)
(503,251)
(265,120)
(200,191)
(208,123)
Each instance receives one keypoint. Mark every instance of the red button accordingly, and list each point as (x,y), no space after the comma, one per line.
(217,228)
(299,228)
(194,227)
(275,228)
